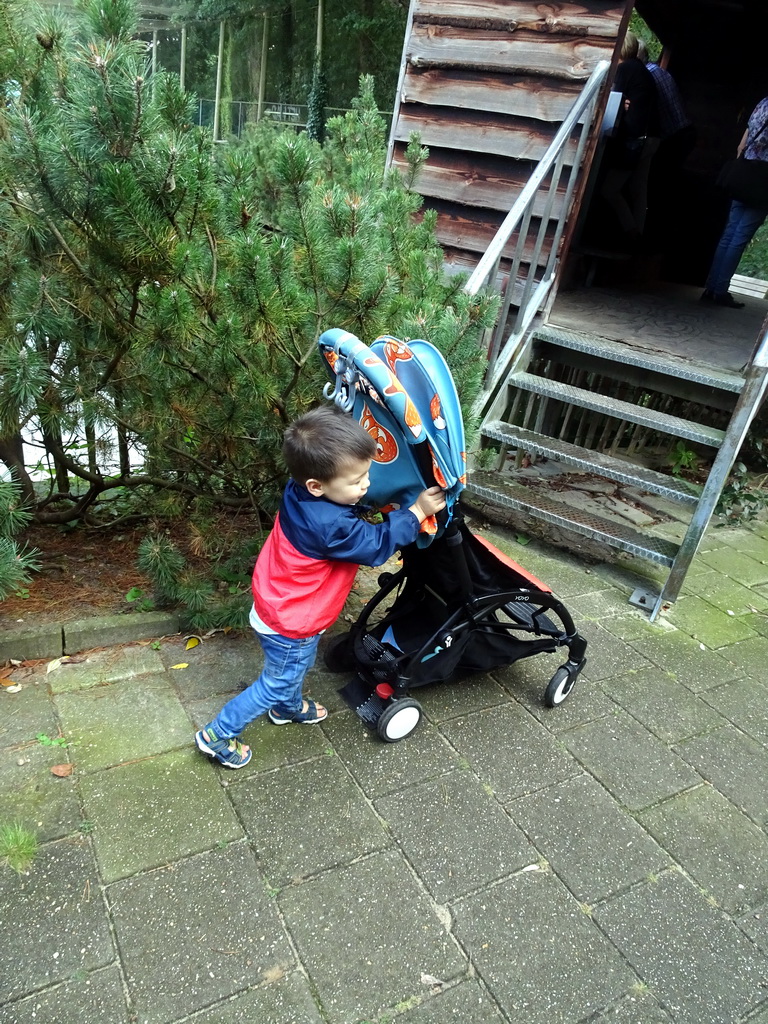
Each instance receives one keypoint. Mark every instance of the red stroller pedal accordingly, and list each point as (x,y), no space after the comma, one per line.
(458,605)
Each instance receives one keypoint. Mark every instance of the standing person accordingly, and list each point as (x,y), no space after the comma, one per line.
(677,139)
(630,151)
(743,221)
(306,569)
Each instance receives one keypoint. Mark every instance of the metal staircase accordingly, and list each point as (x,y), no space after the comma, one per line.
(594,404)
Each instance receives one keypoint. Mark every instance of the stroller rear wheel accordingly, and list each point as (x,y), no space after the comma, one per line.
(398,719)
(560,685)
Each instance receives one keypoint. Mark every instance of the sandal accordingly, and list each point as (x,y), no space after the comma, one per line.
(229,752)
(315,713)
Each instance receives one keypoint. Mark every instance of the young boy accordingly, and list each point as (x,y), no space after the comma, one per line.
(306,569)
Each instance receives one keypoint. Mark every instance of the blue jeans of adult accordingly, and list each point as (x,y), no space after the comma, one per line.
(286,663)
(743,222)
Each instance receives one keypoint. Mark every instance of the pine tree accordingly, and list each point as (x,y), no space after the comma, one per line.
(163,296)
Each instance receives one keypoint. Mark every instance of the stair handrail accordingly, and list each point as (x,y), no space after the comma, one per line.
(534,293)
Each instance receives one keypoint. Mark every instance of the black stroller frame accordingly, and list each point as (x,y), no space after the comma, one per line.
(460,605)
(480,631)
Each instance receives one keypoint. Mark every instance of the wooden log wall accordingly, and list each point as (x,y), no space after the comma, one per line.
(486,84)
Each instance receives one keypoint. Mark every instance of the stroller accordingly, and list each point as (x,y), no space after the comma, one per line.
(458,605)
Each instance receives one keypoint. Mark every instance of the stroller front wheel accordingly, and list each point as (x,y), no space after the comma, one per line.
(398,719)
(560,685)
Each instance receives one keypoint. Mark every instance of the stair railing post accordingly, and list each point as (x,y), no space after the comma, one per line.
(744,412)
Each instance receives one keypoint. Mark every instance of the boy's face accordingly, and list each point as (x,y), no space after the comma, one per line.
(348,486)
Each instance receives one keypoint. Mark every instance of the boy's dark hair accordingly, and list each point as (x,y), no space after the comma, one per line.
(318,444)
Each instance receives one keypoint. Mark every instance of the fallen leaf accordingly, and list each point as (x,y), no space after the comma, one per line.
(15,688)
(62,770)
(15,662)
(430,979)
(192,641)
(182,664)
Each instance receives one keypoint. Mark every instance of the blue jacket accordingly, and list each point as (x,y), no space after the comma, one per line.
(306,569)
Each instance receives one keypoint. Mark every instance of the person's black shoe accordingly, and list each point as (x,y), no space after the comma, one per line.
(726,299)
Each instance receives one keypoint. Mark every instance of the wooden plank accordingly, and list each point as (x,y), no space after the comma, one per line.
(473,235)
(517,52)
(598,19)
(515,95)
(477,180)
(480,133)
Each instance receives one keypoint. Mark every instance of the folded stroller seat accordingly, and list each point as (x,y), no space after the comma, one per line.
(458,605)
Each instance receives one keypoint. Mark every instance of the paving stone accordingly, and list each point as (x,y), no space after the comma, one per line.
(448,700)
(606,655)
(26,714)
(610,855)
(540,955)
(366,933)
(56,918)
(288,1001)
(747,541)
(448,827)
(84,997)
(736,564)
(744,703)
(755,924)
(750,656)
(736,766)
(466,1003)
(173,802)
(600,605)
(670,711)
(196,932)
(757,621)
(380,767)
(218,665)
(708,624)
(726,594)
(725,852)
(633,765)
(281,810)
(31,795)
(635,1009)
(634,625)
(692,663)
(126,720)
(692,957)
(510,751)
(98,631)
(759,1018)
(84,671)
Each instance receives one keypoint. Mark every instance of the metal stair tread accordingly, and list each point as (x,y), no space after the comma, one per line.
(660,421)
(592,461)
(529,500)
(621,352)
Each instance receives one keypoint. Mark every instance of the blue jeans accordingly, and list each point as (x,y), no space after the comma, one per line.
(286,663)
(743,222)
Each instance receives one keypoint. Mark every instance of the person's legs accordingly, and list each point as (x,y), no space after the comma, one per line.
(286,663)
(743,222)
(613,193)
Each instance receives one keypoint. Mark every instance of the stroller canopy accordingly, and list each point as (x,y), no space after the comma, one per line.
(404,396)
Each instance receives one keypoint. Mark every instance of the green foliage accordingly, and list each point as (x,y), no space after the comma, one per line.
(18,847)
(17,563)
(743,498)
(642,31)
(682,459)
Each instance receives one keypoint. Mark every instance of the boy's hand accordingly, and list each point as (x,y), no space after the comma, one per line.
(428,503)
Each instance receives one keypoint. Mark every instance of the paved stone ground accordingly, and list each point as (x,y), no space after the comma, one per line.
(606,861)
